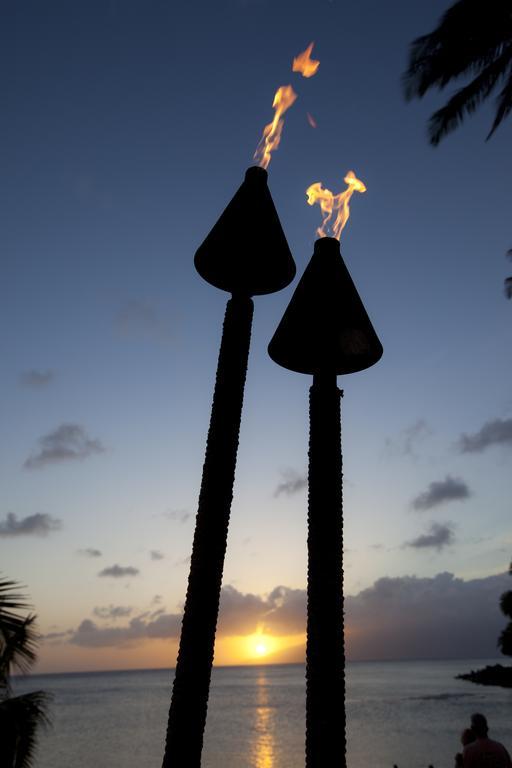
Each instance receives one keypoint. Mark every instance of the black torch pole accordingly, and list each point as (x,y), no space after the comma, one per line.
(187,715)
(325,332)
(243,266)
(325,657)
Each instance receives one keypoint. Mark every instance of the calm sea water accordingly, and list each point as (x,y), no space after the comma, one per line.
(409,713)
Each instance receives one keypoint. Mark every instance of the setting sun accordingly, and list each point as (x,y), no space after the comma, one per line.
(259,645)
(261,649)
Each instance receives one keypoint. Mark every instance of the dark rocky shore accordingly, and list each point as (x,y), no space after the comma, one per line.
(493,675)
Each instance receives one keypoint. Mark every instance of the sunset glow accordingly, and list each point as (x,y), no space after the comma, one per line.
(118,164)
(260,645)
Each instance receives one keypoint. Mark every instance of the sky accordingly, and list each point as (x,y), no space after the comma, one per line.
(126,129)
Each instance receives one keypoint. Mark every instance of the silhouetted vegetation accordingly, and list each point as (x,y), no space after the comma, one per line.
(470,40)
(497,674)
(505,639)
(21,717)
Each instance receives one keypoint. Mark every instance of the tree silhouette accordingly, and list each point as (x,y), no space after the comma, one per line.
(508,280)
(20,716)
(473,40)
(470,39)
(505,639)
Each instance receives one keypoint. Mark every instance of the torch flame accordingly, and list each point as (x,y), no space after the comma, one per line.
(304,64)
(283,100)
(330,203)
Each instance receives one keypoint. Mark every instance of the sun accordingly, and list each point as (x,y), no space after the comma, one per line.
(261,649)
(260,645)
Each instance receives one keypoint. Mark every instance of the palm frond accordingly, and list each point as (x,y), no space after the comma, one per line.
(21,718)
(9,597)
(18,637)
(508,287)
(18,643)
(467,99)
(504,105)
(466,40)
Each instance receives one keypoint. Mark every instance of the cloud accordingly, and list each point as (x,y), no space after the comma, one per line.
(155,554)
(141,320)
(112,611)
(69,442)
(34,379)
(89,552)
(292,483)
(441,492)
(287,611)
(119,571)
(439,535)
(408,439)
(90,635)
(413,618)
(55,636)
(182,515)
(496,432)
(404,617)
(239,614)
(282,612)
(33,525)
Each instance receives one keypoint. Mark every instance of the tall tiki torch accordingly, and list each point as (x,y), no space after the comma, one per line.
(325,332)
(246,254)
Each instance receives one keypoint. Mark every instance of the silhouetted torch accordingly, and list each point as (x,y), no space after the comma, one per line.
(246,253)
(325,332)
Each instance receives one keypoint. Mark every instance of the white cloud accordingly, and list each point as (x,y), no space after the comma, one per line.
(33,525)
(69,442)
(139,319)
(291,483)
(439,535)
(441,492)
(36,379)
(119,571)
(495,432)
(395,618)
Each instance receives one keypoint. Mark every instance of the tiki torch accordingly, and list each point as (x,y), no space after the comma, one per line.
(325,332)
(246,254)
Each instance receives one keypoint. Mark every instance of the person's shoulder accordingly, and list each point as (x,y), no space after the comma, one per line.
(488,747)
(497,745)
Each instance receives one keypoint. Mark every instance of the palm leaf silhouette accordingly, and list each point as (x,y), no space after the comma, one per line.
(468,41)
(20,716)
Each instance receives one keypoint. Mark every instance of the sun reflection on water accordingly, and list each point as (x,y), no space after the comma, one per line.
(264,726)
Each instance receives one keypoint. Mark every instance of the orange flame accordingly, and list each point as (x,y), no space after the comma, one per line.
(311,120)
(304,64)
(283,100)
(330,203)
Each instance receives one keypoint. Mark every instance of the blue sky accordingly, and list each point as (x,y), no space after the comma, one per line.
(127,127)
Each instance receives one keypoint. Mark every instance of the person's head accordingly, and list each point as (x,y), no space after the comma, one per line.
(467,736)
(479,725)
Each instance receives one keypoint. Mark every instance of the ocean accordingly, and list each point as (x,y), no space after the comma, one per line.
(404,713)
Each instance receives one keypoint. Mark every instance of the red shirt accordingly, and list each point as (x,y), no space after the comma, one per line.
(486,753)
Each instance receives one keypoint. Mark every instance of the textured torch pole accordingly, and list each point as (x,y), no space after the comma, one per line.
(325,715)
(325,331)
(237,259)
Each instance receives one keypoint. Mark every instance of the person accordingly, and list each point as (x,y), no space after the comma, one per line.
(467,737)
(483,752)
